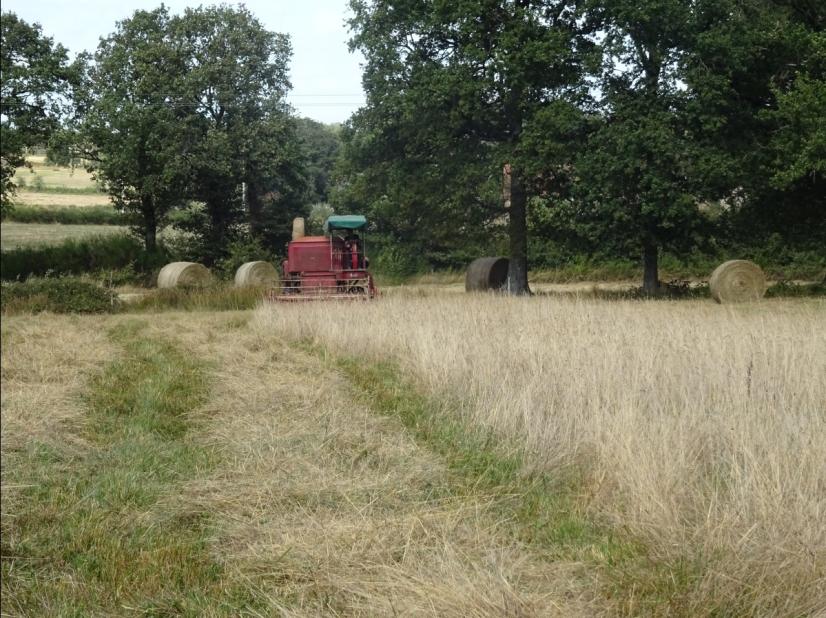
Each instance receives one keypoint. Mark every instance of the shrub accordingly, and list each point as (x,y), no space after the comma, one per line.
(60,295)
(241,251)
(76,257)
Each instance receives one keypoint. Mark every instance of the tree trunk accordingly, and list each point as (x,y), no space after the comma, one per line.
(254,209)
(516,204)
(650,276)
(150,224)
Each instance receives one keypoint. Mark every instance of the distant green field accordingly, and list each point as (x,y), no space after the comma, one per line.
(14,235)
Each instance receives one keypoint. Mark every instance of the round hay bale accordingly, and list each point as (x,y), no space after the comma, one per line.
(298,228)
(177,274)
(737,281)
(256,273)
(487,273)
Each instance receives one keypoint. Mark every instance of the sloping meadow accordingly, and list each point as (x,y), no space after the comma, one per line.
(696,430)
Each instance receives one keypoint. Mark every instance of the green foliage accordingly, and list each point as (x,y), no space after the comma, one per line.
(393,264)
(635,128)
(320,144)
(205,120)
(801,141)
(786,289)
(756,73)
(452,91)
(245,134)
(135,122)
(319,213)
(78,257)
(36,79)
(240,251)
(58,295)
(86,215)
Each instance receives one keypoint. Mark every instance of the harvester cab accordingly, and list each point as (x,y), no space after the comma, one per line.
(331,266)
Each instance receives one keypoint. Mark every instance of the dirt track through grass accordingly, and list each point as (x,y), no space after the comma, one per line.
(204,469)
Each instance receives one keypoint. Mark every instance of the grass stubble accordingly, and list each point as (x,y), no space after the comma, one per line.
(695,431)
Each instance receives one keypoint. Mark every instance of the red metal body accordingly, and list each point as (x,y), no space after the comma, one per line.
(323,267)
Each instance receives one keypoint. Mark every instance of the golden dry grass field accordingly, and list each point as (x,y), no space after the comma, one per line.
(53,176)
(698,430)
(426,454)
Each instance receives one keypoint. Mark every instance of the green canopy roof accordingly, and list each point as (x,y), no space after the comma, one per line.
(345,222)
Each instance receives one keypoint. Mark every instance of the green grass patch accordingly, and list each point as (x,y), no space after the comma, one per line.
(60,295)
(91,535)
(790,289)
(83,215)
(77,257)
(541,507)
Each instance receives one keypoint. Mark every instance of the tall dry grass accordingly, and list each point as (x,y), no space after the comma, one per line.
(699,430)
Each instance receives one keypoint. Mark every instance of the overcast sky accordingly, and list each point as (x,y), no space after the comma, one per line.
(326,77)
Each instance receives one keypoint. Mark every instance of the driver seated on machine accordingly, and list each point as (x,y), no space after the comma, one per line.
(352,245)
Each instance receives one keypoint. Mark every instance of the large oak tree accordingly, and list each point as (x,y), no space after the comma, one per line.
(453,89)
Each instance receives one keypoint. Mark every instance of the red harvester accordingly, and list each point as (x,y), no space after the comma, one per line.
(327,267)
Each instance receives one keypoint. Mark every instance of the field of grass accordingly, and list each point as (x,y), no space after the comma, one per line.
(435,454)
(42,177)
(14,235)
(696,431)
(182,466)
(577,453)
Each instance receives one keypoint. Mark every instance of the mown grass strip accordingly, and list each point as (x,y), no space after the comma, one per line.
(90,537)
(540,509)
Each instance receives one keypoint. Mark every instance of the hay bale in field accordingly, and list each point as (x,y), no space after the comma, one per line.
(737,281)
(177,274)
(487,273)
(256,273)
(298,228)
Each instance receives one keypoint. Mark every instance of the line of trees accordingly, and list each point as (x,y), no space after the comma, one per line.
(619,127)
(626,124)
(181,118)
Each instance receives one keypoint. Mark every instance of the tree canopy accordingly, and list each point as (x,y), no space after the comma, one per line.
(626,121)
(36,82)
(614,127)
(453,90)
(191,108)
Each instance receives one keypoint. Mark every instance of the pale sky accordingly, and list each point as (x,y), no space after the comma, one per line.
(326,77)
